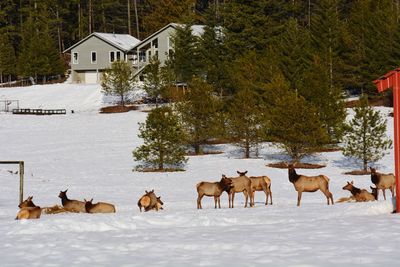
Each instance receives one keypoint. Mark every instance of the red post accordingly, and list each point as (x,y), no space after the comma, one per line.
(392,80)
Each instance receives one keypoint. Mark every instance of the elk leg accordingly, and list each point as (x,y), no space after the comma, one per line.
(219,202)
(246,196)
(215,202)
(299,197)
(270,195)
(199,201)
(233,197)
(384,193)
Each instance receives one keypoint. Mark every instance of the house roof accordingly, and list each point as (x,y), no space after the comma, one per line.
(197,30)
(124,42)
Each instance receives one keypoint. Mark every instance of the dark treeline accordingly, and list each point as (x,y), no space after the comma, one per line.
(352,42)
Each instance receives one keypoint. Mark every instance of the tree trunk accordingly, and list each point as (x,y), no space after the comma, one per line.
(197,149)
(137,19)
(129,17)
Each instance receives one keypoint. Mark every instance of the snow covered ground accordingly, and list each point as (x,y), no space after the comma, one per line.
(90,154)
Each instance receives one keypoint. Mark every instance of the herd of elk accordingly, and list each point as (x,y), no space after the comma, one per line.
(247,185)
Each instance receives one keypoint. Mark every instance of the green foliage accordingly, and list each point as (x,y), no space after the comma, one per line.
(295,125)
(365,137)
(7,57)
(185,58)
(199,114)
(245,120)
(154,80)
(163,140)
(117,80)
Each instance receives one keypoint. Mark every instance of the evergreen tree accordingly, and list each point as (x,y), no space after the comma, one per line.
(365,138)
(245,120)
(199,114)
(295,125)
(317,89)
(7,58)
(185,58)
(163,140)
(153,79)
(117,80)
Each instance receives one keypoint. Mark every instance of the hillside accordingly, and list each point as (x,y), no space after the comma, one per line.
(90,155)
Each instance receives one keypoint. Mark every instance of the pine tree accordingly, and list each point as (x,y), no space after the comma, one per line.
(185,58)
(7,58)
(163,140)
(295,125)
(245,120)
(153,79)
(365,138)
(199,114)
(117,80)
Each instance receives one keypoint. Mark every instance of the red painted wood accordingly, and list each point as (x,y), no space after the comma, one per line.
(391,80)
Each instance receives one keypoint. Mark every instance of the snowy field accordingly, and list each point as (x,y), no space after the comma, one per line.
(90,154)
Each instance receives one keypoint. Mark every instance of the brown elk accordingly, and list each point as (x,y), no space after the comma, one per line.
(262,183)
(304,183)
(149,201)
(71,204)
(99,207)
(360,195)
(214,189)
(241,184)
(28,210)
(383,181)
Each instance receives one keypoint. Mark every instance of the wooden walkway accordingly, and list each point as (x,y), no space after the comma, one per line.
(30,111)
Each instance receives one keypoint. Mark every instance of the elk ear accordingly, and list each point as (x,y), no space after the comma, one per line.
(146,191)
(245,172)
(91,200)
(85,200)
(30,197)
(238,172)
(352,182)
(371,187)
(158,197)
(152,191)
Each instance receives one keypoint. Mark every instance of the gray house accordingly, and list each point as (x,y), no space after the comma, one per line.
(95,53)
(158,44)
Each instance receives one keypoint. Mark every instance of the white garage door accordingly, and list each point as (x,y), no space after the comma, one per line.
(91,77)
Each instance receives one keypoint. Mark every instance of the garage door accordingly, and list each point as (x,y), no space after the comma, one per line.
(91,77)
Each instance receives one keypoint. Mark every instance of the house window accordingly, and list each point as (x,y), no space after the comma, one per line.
(118,55)
(75,58)
(155,43)
(149,55)
(112,56)
(142,56)
(94,57)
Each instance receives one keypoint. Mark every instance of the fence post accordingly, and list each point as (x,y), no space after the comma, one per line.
(21,181)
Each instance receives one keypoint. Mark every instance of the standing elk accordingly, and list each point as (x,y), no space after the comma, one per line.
(214,189)
(383,181)
(28,210)
(241,184)
(149,201)
(71,204)
(361,195)
(304,183)
(100,207)
(262,183)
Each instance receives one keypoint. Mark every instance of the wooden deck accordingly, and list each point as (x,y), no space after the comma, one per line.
(30,111)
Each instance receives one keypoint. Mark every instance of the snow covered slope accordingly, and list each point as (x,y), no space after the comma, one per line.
(90,154)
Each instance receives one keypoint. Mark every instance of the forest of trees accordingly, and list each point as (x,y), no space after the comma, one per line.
(279,64)
(349,42)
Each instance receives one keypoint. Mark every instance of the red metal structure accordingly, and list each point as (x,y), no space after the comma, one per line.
(387,81)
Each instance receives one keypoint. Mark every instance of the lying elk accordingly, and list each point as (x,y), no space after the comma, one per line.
(241,184)
(213,190)
(28,210)
(262,183)
(70,204)
(149,201)
(99,207)
(383,181)
(361,195)
(304,183)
